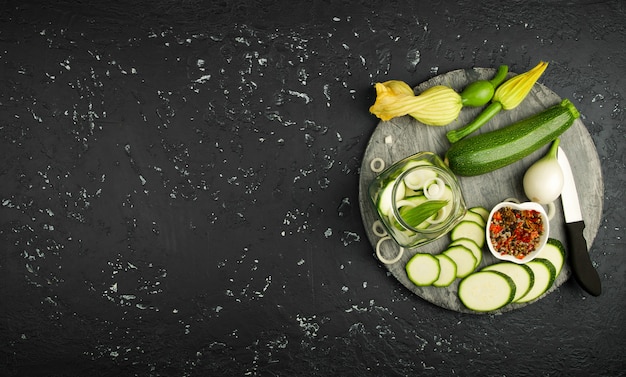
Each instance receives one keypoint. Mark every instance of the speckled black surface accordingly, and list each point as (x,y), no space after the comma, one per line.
(180,188)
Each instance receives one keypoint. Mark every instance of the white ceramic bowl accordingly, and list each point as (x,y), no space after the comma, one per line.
(543,238)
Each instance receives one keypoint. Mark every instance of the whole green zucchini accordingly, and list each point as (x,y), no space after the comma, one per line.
(495,149)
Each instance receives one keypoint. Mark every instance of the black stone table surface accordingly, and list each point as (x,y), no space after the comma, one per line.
(179,188)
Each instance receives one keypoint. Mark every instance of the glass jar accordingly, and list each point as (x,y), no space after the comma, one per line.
(418,199)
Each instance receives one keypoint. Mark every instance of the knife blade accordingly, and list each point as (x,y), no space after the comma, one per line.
(583,270)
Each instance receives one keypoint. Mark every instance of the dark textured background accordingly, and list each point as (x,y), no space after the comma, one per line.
(180,188)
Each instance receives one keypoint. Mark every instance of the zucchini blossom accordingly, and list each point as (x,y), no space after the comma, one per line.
(513,91)
(436,106)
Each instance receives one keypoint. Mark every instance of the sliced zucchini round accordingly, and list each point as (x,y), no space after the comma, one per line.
(544,273)
(472,246)
(482,211)
(521,275)
(475,217)
(469,229)
(463,258)
(423,269)
(447,273)
(485,291)
(555,253)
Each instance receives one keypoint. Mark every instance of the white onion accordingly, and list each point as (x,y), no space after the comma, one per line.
(543,181)
(380,256)
(434,188)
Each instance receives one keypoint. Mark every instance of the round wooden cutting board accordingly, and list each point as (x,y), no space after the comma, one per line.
(401,137)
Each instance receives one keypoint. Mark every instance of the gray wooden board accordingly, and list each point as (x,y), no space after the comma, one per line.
(408,136)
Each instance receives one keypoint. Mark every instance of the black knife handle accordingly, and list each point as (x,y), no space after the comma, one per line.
(585,274)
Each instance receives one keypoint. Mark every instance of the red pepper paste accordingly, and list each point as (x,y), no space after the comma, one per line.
(516,232)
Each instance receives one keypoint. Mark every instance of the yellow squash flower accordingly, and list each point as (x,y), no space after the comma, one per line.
(513,91)
(393,99)
(436,106)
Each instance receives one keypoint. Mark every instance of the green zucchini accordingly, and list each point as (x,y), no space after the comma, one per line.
(495,149)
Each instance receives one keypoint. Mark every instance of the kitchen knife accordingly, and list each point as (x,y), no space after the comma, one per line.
(583,270)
